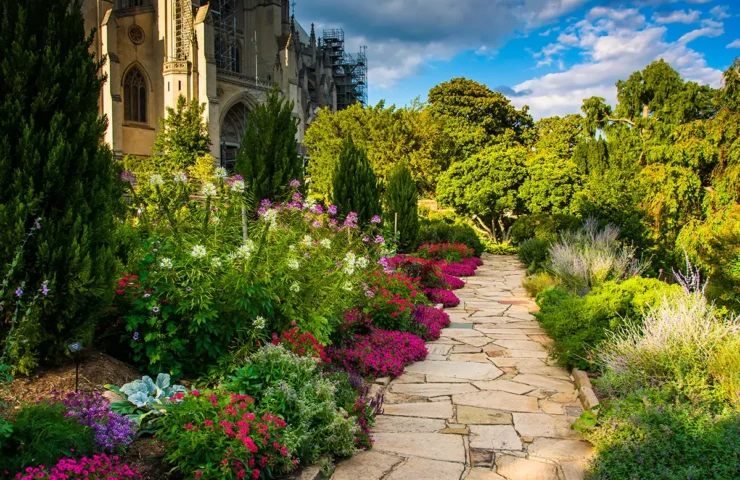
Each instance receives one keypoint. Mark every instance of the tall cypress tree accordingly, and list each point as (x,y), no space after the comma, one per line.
(268,159)
(355,187)
(54,166)
(402,203)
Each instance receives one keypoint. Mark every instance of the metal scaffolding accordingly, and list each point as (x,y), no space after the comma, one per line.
(349,72)
(224,23)
(183,28)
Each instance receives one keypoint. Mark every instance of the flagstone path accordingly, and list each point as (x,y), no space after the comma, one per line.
(486,404)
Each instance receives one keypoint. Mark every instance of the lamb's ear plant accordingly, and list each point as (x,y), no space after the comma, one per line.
(145,400)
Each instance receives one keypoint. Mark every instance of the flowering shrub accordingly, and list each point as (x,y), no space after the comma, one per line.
(99,466)
(397,283)
(433,320)
(93,410)
(389,311)
(302,344)
(452,282)
(451,252)
(295,388)
(458,269)
(443,296)
(426,272)
(217,435)
(380,353)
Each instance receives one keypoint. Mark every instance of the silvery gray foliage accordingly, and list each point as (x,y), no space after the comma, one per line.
(589,256)
(146,392)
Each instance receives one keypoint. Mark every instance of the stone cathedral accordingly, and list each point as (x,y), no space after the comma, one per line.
(226,54)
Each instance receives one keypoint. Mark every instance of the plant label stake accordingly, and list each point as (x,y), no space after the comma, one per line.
(76,348)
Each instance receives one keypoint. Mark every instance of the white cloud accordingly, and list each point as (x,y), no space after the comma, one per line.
(612,48)
(404,35)
(710,29)
(677,16)
(734,44)
(720,12)
(546,33)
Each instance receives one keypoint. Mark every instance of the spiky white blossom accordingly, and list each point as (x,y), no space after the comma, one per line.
(347,286)
(180,177)
(209,190)
(166,263)
(221,173)
(238,186)
(293,264)
(199,251)
(363,262)
(350,262)
(259,323)
(295,288)
(270,216)
(156,179)
(307,241)
(216,262)
(245,250)
(326,243)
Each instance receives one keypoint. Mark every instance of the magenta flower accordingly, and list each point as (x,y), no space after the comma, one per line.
(332,209)
(380,240)
(375,220)
(128,176)
(295,183)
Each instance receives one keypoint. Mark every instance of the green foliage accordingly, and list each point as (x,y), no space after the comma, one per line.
(485,185)
(42,434)
(542,225)
(355,187)
(145,401)
(475,115)
(439,228)
(54,166)
(534,253)
(182,137)
(402,203)
(293,388)
(268,159)
(558,136)
(577,324)
(388,135)
(724,366)
(500,248)
(550,184)
(650,435)
(591,156)
(538,283)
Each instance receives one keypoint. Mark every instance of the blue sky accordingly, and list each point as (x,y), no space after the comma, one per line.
(548,54)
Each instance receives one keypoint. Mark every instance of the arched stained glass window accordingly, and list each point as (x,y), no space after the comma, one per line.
(134,96)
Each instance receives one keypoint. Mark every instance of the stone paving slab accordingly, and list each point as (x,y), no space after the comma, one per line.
(486,404)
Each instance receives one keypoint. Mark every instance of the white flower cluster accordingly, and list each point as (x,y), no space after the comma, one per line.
(271,216)
(199,251)
(350,263)
(238,186)
(209,190)
(309,203)
(245,251)
(347,286)
(221,172)
(166,263)
(326,243)
(259,323)
(307,241)
(216,262)
(156,179)
(293,264)
(295,288)
(180,177)
(363,262)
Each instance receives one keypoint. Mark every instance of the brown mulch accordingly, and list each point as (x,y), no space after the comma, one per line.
(96,370)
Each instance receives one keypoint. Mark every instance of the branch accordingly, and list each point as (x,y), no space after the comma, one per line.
(625,120)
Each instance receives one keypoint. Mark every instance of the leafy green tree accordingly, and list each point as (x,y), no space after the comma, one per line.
(268,159)
(475,114)
(355,187)
(401,203)
(558,135)
(183,136)
(485,185)
(54,167)
(550,184)
(388,135)
(591,156)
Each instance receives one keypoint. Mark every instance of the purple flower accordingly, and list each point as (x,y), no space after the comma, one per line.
(369,293)
(380,240)
(366,239)
(128,176)
(295,183)
(187,289)
(375,220)
(44,288)
(316,224)
(332,209)
(297,197)
(317,209)
(146,295)
(19,292)
(333,222)
(136,336)
(155,309)
(111,429)
(351,220)
(37,224)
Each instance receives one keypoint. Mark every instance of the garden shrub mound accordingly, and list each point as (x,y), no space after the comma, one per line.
(441,295)
(578,324)
(103,466)
(433,319)
(449,229)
